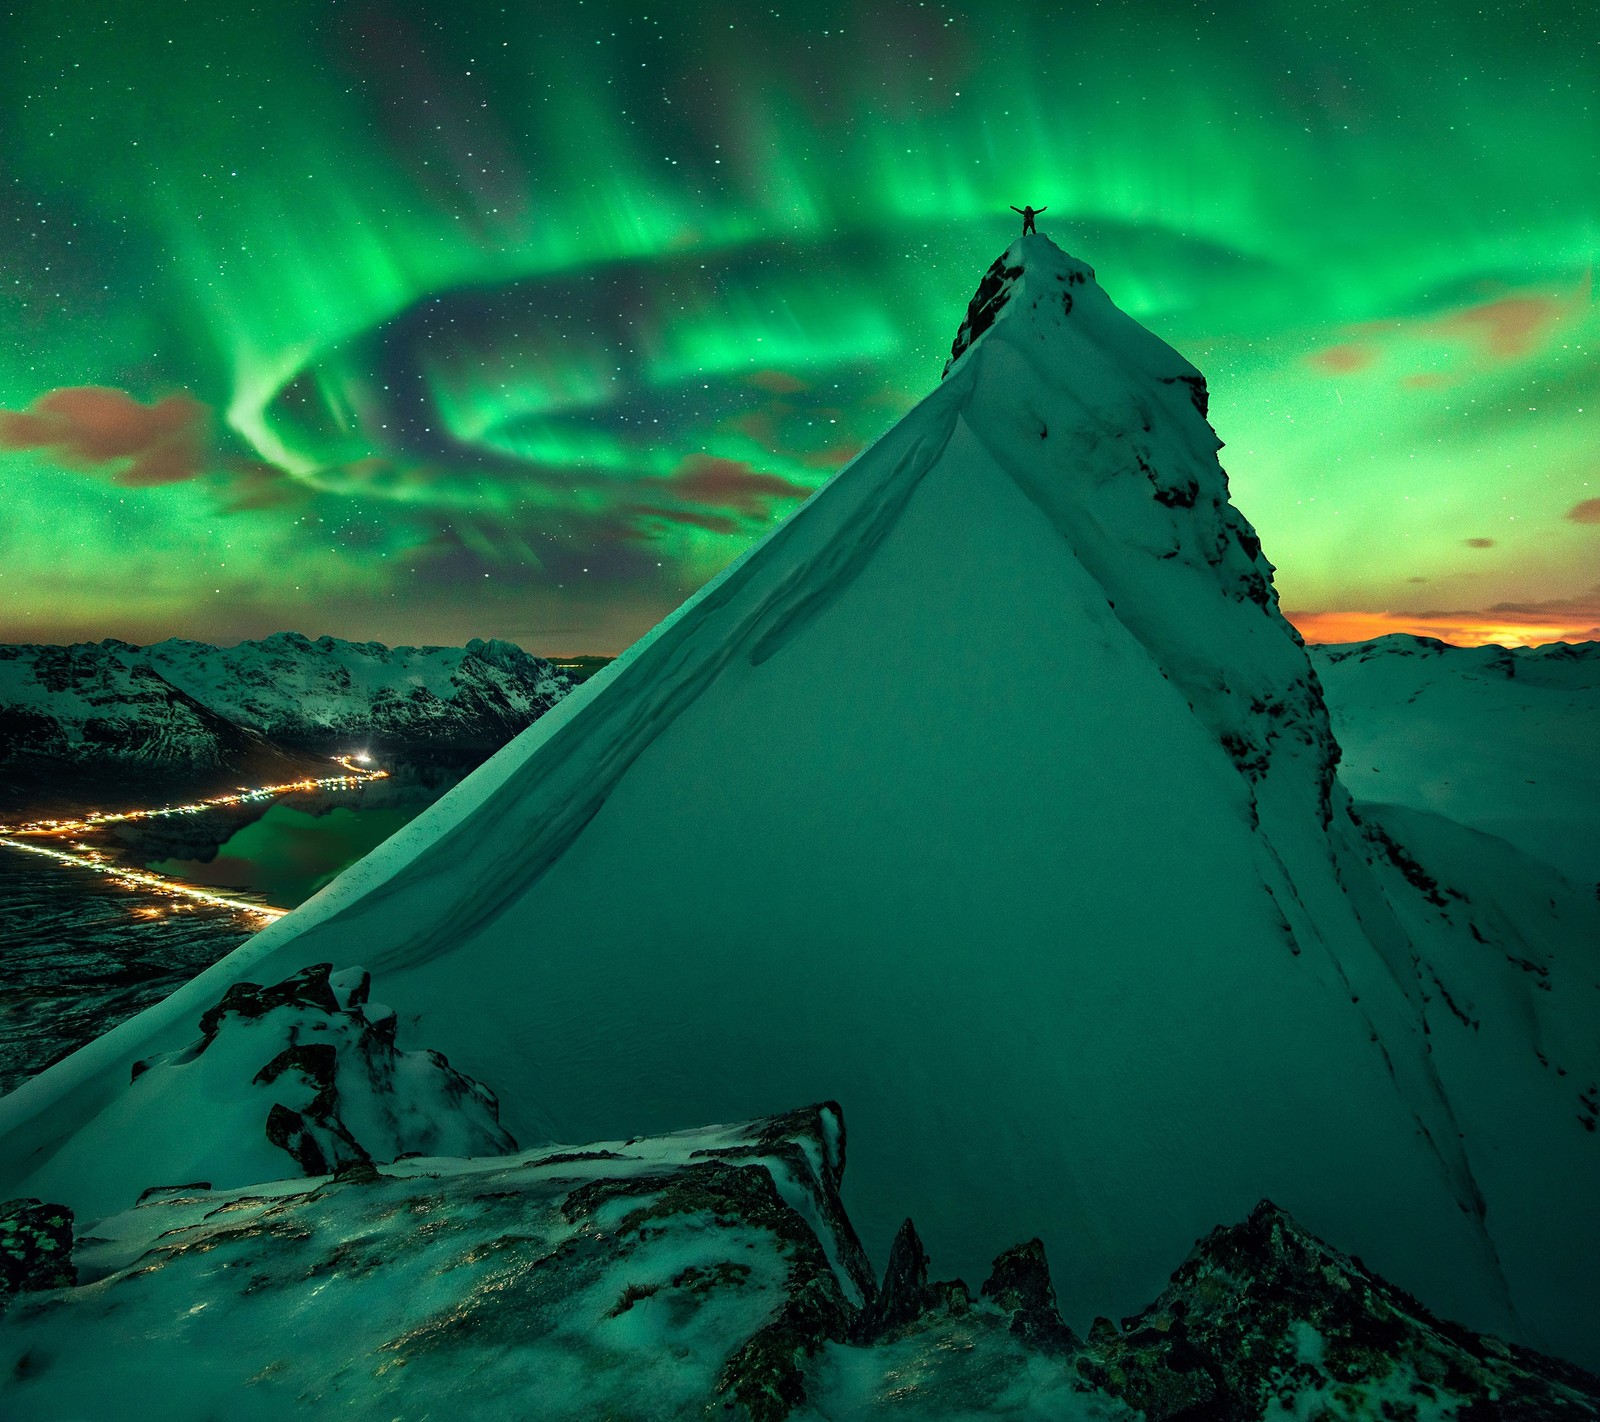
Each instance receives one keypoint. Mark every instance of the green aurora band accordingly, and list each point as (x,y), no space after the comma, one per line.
(422,321)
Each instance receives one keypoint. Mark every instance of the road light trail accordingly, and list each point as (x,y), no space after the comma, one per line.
(355,775)
(94,860)
(143,879)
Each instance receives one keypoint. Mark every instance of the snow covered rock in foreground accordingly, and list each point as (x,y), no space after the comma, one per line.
(992,794)
(305,1075)
(1505,740)
(711,1272)
(644,1278)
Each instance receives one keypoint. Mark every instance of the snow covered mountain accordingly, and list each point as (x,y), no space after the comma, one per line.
(331,692)
(189,707)
(992,795)
(90,707)
(1503,740)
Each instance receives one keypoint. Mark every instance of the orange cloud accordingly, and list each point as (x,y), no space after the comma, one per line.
(730,484)
(835,456)
(86,427)
(761,426)
(714,493)
(1575,619)
(1509,327)
(1586,512)
(1343,359)
(1504,327)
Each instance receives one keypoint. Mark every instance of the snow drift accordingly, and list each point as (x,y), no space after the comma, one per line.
(992,796)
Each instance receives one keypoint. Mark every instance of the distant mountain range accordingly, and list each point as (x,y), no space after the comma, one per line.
(275,707)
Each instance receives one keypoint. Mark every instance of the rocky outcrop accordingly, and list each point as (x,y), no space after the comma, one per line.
(310,1065)
(35,1247)
(1020,1286)
(711,1272)
(1263,1316)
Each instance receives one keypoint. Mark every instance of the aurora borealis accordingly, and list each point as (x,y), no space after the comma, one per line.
(423,321)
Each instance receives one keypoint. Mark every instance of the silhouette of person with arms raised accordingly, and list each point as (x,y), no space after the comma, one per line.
(1028,214)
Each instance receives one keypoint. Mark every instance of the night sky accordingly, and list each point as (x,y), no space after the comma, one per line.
(424,321)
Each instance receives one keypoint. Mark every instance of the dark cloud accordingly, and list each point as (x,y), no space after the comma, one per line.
(1586,512)
(1583,607)
(1478,542)
(94,429)
(246,486)
(709,492)
(778,382)
(835,457)
(731,484)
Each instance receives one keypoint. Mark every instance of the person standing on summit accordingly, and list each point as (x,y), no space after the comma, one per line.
(1028,214)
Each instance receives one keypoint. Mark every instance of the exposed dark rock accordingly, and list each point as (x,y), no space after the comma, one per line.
(904,1295)
(1198,394)
(307,988)
(1263,1314)
(334,1049)
(747,1308)
(35,1247)
(1397,854)
(986,304)
(821,1130)
(1019,1284)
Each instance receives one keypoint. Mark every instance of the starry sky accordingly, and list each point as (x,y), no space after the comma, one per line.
(420,320)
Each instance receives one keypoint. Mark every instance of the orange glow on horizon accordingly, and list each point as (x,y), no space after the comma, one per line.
(1462,629)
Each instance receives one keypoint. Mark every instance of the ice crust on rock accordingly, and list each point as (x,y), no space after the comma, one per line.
(646,1278)
(992,793)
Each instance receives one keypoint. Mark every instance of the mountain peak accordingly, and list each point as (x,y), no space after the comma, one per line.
(1105,428)
(1032,264)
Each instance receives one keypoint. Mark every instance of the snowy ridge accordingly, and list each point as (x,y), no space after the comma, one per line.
(296,690)
(99,702)
(1133,484)
(991,794)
